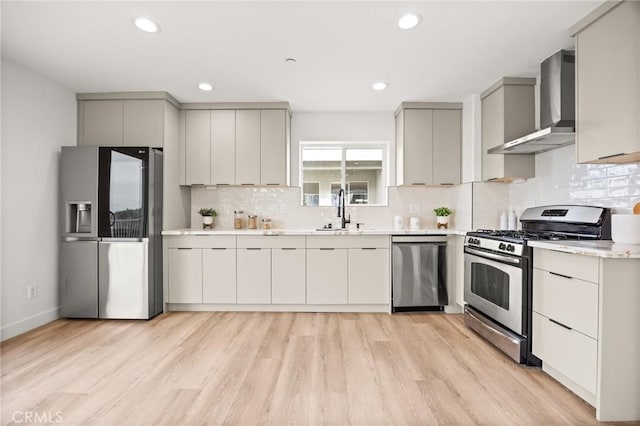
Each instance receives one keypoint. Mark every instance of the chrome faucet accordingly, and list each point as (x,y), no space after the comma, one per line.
(342,214)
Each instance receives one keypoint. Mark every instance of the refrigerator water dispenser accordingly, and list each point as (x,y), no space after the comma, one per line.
(79,218)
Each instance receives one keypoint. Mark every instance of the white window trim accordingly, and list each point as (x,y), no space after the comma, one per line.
(344,145)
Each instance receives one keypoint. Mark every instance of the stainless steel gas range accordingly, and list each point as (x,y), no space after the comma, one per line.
(498,272)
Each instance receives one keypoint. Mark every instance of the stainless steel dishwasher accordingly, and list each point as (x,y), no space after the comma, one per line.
(419,273)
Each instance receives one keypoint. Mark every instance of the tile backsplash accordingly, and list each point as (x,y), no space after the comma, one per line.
(559,180)
(283,207)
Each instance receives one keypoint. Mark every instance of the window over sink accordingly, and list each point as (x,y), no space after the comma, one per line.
(360,168)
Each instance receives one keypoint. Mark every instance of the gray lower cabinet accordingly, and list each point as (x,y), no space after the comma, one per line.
(254,275)
(219,275)
(288,269)
(327,276)
(185,275)
(368,276)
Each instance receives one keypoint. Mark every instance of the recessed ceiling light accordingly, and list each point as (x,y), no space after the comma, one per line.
(205,86)
(379,85)
(410,20)
(146,25)
(290,61)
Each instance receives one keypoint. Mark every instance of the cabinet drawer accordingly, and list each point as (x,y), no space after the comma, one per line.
(271,241)
(568,351)
(201,241)
(571,301)
(348,241)
(572,265)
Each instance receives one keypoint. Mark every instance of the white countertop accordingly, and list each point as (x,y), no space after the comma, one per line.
(370,231)
(602,248)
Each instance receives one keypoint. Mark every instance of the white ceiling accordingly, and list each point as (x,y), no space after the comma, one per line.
(240,47)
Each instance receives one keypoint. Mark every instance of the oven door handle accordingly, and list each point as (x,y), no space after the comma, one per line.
(499,257)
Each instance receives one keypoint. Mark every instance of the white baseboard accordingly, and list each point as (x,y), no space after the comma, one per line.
(35,321)
(208,307)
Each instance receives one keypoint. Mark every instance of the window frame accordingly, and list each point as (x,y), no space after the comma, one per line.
(344,146)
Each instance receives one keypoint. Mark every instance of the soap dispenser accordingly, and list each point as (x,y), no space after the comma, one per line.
(512,221)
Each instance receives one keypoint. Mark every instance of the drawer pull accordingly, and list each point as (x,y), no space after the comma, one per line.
(368,248)
(253,248)
(288,248)
(185,248)
(326,248)
(560,324)
(218,248)
(273,184)
(418,183)
(247,184)
(223,184)
(560,275)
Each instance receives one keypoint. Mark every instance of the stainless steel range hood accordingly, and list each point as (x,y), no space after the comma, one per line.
(557,109)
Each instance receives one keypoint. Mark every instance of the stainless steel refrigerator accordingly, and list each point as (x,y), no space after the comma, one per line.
(111,248)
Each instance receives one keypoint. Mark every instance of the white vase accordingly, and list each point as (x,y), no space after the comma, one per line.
(442,221)
(207,221)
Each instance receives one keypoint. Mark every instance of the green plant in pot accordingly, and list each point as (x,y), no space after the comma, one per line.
(442,216)
(207,217)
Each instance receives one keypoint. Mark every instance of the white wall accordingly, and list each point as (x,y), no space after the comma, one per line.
(38,117)
(341,126)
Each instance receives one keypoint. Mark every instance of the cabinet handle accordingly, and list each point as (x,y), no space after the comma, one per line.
(369,248)
(273,184)
(253,248)
(560,275)
(218,248)
(223,184)
(185,248)
(447,184)
(326,248)
(247,184)
(418,183)
(560,324)
(611,156)
(288,248)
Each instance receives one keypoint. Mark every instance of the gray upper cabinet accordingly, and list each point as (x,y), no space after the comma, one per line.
(428,143)
(198,147)
(235,146)
(608,84)
(101,123)
(273,155)
(143,123)
(248,147)
(223,147)
(122,119)
(508,112)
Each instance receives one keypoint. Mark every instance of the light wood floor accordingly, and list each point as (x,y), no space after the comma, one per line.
(276,368)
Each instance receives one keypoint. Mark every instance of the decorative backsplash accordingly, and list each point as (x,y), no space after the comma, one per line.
(283,207)
(559,180)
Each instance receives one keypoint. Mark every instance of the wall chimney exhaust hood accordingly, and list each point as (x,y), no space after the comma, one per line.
(557,109)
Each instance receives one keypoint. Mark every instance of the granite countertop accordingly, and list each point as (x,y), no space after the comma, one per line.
(601,248)
(285,231)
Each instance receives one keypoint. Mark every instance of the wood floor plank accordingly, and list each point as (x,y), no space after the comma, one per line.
(245,368)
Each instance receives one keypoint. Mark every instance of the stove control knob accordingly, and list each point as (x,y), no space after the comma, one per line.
(502,246)
(511,248)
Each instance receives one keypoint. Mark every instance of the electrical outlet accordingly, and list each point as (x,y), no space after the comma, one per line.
(414,208)
(32,291)
(282,208)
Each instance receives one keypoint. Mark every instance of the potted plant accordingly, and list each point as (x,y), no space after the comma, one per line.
(442,216)
(207,217)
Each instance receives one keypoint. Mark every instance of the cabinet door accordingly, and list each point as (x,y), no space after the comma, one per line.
(369,279)
(247,147)
(198,147)
(288,276)
(218,275)
(185,275)
(327,276)
(223,147)
(143,123)
(418,146)
(273,147)
(447,140)
(254,275)
(102,123)
(492,134)
(608,85)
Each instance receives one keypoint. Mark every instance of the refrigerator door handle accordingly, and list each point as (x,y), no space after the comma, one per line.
(112,219)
